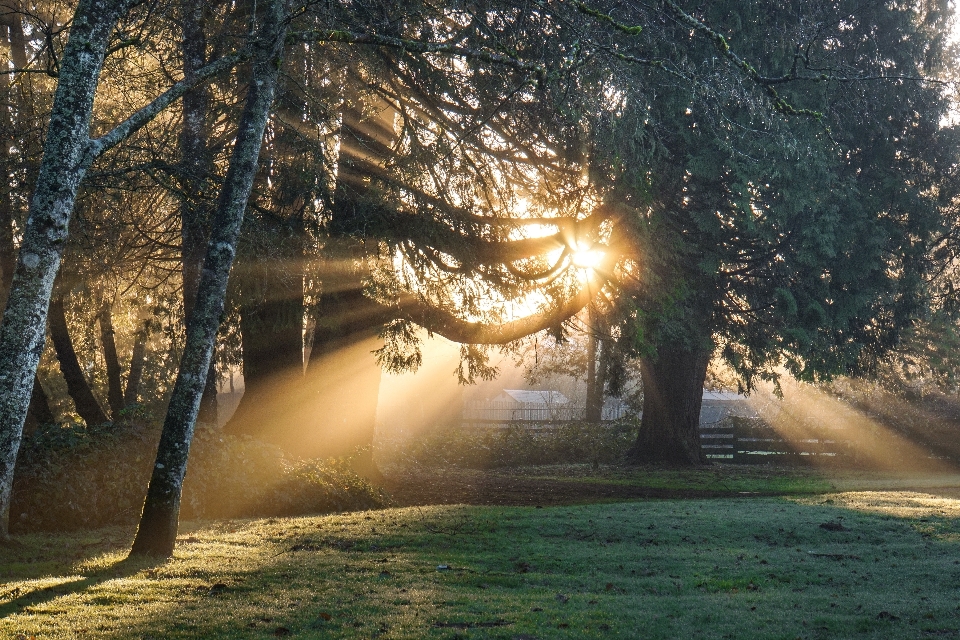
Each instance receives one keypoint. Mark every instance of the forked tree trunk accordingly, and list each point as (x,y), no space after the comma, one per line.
(672,395)
(157,531)
(88,407)
(111,360)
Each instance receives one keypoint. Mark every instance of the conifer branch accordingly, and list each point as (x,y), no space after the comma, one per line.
(416,46)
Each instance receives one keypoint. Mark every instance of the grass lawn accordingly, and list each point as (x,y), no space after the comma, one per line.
(844,565)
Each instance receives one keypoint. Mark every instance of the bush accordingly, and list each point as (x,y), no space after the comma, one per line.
(513,445)
(73,477)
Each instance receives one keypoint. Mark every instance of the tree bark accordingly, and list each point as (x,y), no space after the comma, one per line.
(194,170)
(157,531)
(111,359)
(38,412)
(672,395)
(86,403)
(132,392)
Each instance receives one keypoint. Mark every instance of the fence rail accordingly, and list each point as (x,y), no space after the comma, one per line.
(751,441)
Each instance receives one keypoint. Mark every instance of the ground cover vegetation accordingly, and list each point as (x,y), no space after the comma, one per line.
(773,184)
(878,565)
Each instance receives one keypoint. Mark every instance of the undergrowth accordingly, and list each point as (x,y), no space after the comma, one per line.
(72,477)
(512,446)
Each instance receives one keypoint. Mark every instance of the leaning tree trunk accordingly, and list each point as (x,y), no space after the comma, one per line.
(39,409)
(157,531)
(86,403)
(111,359)
(66,156)
(672,394)
(194,170)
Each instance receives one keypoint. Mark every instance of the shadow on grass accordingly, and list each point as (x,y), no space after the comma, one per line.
(23,598)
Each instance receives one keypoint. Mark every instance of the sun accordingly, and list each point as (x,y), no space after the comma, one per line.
(586,256)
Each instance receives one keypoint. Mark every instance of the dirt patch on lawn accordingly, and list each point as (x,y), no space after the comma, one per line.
(469,486)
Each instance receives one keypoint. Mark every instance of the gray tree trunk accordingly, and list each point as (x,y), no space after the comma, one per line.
(39,409)
(158,524)
(194,171)
(66,156)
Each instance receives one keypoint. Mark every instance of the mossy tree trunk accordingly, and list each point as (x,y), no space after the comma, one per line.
(66,156)
(11,34)
(157,531)
(194,171)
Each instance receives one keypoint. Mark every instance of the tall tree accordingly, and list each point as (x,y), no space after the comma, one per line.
(157,531)
(781,221)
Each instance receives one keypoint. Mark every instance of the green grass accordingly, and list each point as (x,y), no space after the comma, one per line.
(720,477)
(725,568)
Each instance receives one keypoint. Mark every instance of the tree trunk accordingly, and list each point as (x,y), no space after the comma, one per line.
(342,369)
(598,364)
(87,405)
(672,395)
(111,359)
(39,412)
(271,333)
(594,402)
(157,531)
(132,392)
(66,156)
(194,171)
(330,411)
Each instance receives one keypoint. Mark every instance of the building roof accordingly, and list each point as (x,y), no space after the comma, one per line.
(528,396)
(722,396)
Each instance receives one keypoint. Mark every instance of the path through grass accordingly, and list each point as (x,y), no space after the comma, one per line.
(865,565)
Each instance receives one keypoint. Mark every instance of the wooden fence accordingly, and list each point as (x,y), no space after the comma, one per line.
(752,441)
(723,437)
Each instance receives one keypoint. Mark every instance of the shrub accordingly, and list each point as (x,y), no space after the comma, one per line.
(513,445)
(73,477)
